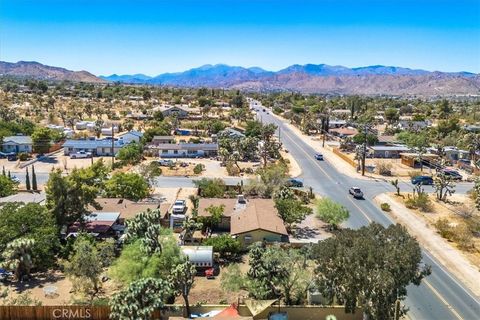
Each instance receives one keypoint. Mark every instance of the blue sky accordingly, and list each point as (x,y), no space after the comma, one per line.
(152,37)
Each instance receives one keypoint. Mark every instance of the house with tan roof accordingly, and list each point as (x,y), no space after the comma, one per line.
(129,209)
(249,220)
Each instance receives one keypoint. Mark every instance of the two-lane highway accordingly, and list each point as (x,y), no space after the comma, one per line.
(440,296)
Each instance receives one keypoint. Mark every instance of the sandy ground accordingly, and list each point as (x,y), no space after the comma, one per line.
(445,252)
(293,167)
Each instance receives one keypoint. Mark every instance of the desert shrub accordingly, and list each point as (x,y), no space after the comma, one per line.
(385,207)
(463,237)
(444,228)
(232,169)
(198,168)
(420,201)
(23,156)
(384,168)
(249,170)
(473,224)
(412,174)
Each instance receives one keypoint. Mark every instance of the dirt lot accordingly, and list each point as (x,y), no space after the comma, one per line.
(463,264)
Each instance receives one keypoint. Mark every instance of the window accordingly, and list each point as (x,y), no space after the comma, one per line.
(164,151)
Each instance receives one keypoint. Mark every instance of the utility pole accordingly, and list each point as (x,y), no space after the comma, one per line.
(364,154)
(113,146)
(279,133)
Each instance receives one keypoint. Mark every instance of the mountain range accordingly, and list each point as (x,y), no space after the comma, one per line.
(309,78)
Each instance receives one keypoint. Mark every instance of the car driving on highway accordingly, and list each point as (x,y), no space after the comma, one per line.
(356,192)
(319,156)
(422,180)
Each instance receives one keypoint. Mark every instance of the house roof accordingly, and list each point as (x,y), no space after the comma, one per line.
(132,133)
(345,131)
(17,139)
(390,148)
(97,222)
(387,139)
(257,214)
(25,197)
(92,144)
(163,138)
(187,146)
(127,208)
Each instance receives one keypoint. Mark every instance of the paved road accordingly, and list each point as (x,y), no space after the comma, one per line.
(440,296)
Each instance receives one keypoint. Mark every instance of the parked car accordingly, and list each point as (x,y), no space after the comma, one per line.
(319,156)
(294,183)
(5,275)
(15,179)
(12,157)
(356,192)
(165,163)
(422,180)
(454,175)
(80,155)
(179,207)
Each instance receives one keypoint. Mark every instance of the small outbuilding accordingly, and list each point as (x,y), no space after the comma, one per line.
(200,256)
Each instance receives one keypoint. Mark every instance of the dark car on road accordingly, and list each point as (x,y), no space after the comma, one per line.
(294,183)
(319,156)
(452,174)
(422,180)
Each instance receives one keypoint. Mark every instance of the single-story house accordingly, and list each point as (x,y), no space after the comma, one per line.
(129,209)
(157,140)
(85,125)
(388,151)
(452,153)
(248,220)
(335,123)
(17,144)
(186,150)
(98,147)
(130,136)
(107,131)
(344,132)
(386,140)
(413,125)
(181,112)
(25,197)
(232,133)
(199,256)
(101,224)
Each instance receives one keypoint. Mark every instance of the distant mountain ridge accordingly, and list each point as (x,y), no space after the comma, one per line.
(308,78)
(40,71)
(321,78)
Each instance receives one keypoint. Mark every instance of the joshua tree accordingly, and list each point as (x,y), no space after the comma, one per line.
(18,257)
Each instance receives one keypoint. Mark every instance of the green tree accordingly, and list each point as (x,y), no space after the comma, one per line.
(391,115)
(27,180)
(140,299)
(146,227)
(17,257)
(215,217)
(35,222)
(211,188)
(130,154)
(477,194)
(331,212)
(130,186)
(224,244)
(182,279)
(84,265)
(444,186)
(291,211)
(382,262)
(34,179)
(7,186)
(68,197)
(42,139)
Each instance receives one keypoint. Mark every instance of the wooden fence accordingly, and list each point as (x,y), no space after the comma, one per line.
(344,157)
(102,312)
